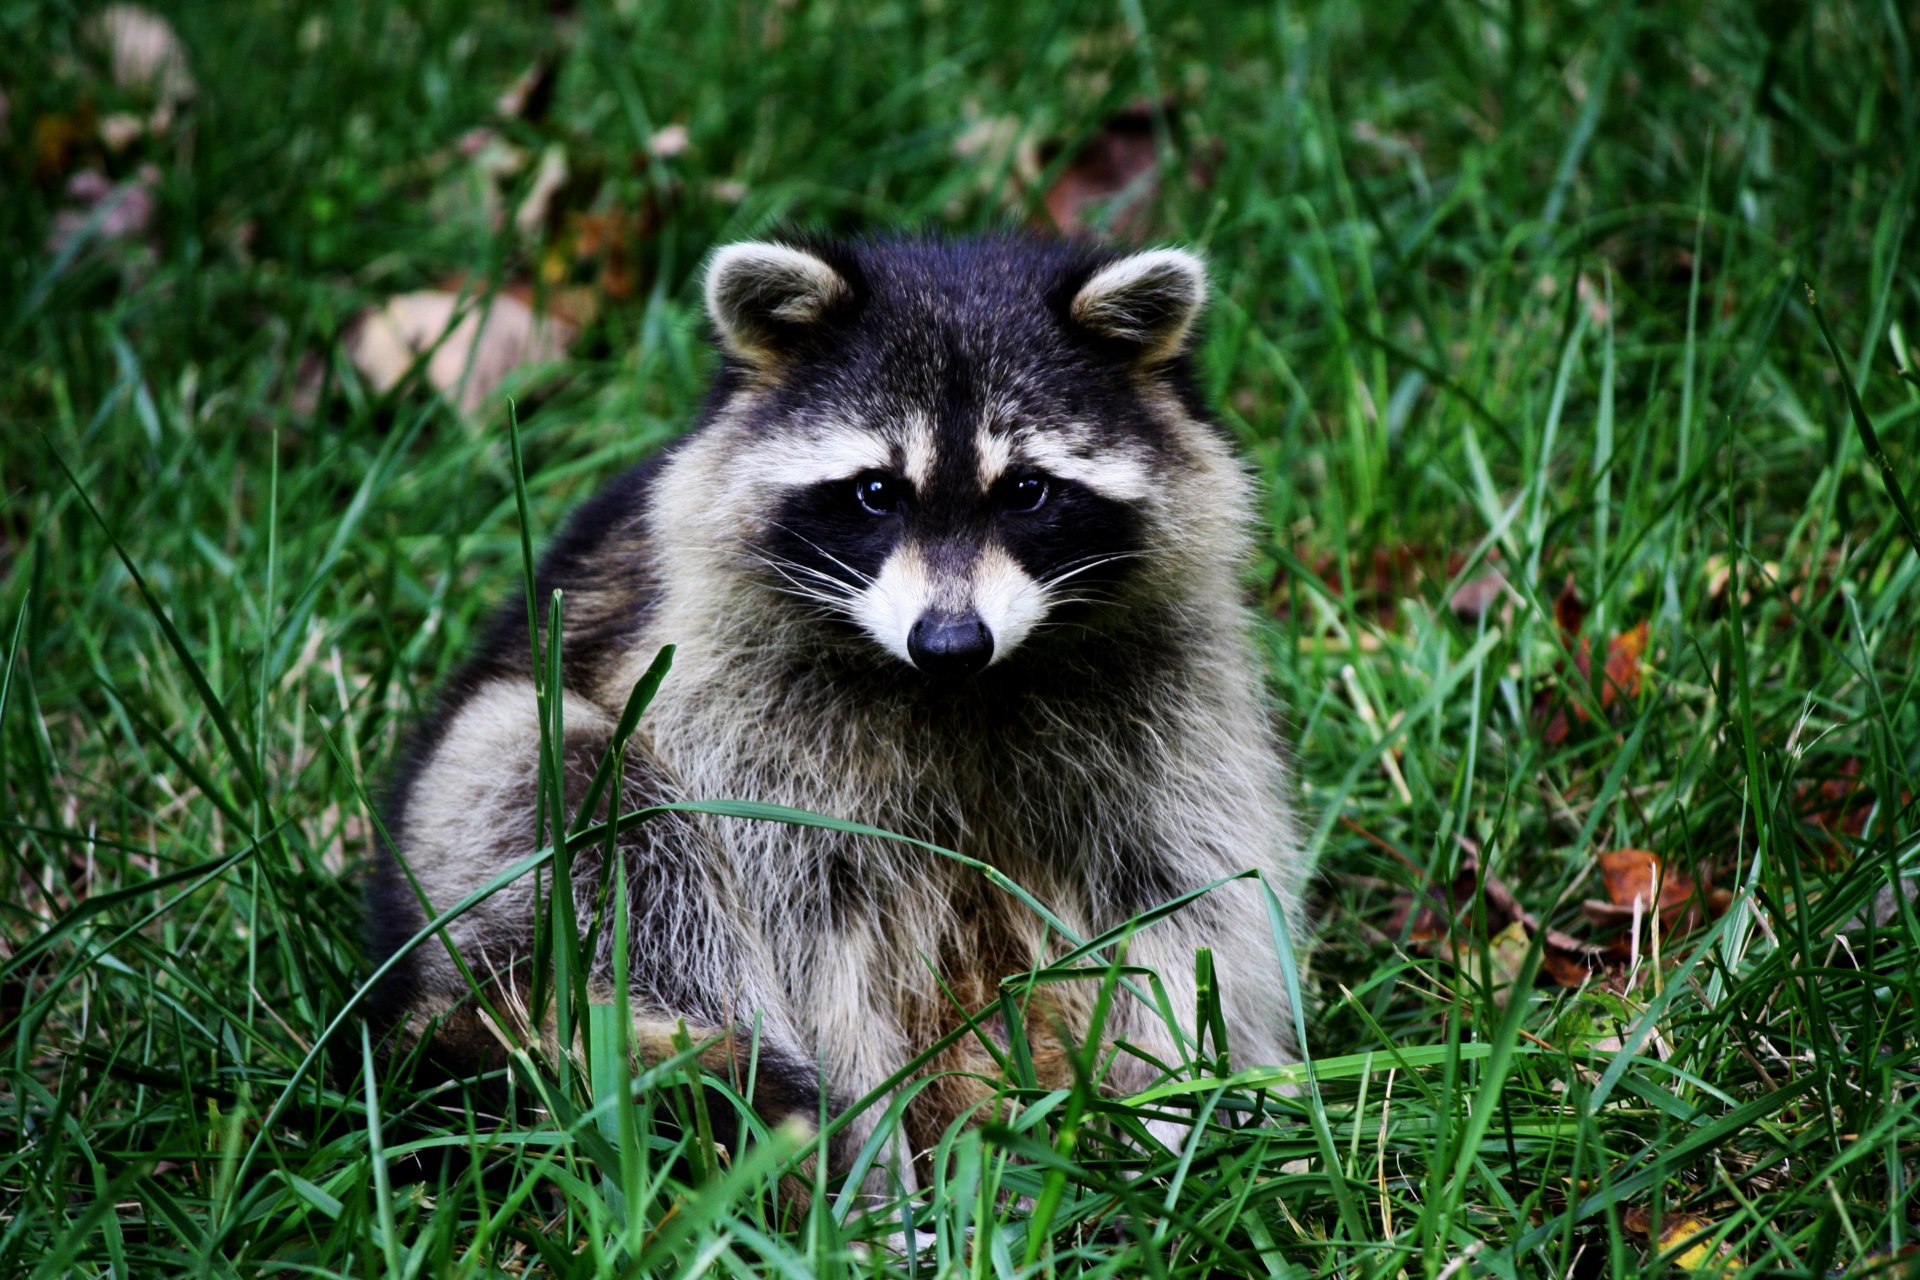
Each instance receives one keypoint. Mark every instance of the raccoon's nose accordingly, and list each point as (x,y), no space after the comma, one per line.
(950,647)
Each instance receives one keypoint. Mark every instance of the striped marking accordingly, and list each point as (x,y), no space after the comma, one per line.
(1121,474)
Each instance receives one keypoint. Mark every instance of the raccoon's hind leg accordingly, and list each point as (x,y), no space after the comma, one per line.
(467,813)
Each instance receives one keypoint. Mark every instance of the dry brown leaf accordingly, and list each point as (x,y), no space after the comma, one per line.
(1454,903)
(112,212)
(1621,674)
(1570,962)
(605,246)
(1433,925)
(62,141)
(1110,183)
(1478,594)
(1839,808)
(1371,584)
(548,178)
(478,343)
(1558,726)
(1632,877)
(1624,654)
(1569,610)
(144,54)
(1639,886)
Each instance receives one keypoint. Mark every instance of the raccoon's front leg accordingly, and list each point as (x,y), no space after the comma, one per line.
(1232,923)
(468,812)
(852,983)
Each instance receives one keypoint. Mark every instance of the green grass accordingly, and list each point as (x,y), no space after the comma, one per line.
(1497,286)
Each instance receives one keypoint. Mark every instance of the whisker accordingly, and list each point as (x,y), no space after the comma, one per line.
(836,599)
(1074,568)
(866,580)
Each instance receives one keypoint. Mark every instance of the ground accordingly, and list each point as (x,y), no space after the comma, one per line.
(1571,344)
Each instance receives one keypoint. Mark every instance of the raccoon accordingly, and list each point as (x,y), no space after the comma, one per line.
(952,551)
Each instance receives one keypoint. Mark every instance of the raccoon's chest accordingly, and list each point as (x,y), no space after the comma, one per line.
(1020,786)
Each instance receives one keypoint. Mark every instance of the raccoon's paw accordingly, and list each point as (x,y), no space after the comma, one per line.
(1174,1135)
(899,1244)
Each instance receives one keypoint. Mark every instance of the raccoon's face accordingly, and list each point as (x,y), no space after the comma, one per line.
(948,448)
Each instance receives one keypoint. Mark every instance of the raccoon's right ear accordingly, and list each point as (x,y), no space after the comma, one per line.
(761,296)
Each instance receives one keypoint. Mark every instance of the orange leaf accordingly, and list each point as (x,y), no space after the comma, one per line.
(1624,652)
(1632,875)
(1635,878)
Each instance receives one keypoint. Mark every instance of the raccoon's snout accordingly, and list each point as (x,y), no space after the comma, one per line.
(948,647)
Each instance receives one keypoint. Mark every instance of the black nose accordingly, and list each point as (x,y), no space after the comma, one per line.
(950,647)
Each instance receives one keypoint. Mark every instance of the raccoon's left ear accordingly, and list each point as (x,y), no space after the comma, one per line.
(761,296)
(1148,299)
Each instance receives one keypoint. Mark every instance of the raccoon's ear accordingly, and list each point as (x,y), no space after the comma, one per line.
(760,296)
(1147,299)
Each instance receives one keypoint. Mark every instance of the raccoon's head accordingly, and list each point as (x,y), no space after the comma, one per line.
(940,448)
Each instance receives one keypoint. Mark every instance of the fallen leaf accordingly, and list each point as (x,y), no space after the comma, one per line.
(1624,653)
(1558,726)
(1371,584)
(61,141)
(604,247)
(1640,886)
(1434,926)
(144,55)
(1110,182)
(1506,956)
(1621,672)
(110,212)
(1569,610)
(1474,597)
(530,95)
(1440,908)
(1839,807)
(548,178)
(669,142)
(1569,961)
(476,344)
(1889,1263)
(1697,1251)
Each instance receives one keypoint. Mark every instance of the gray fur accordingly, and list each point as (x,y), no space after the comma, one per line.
(1107,760)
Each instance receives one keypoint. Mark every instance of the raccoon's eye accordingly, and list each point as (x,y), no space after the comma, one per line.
(880,494)
(1025,492)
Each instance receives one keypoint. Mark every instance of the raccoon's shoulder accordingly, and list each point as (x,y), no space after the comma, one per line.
(602,565)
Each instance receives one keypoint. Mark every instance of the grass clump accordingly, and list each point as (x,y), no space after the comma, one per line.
(1513,319)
